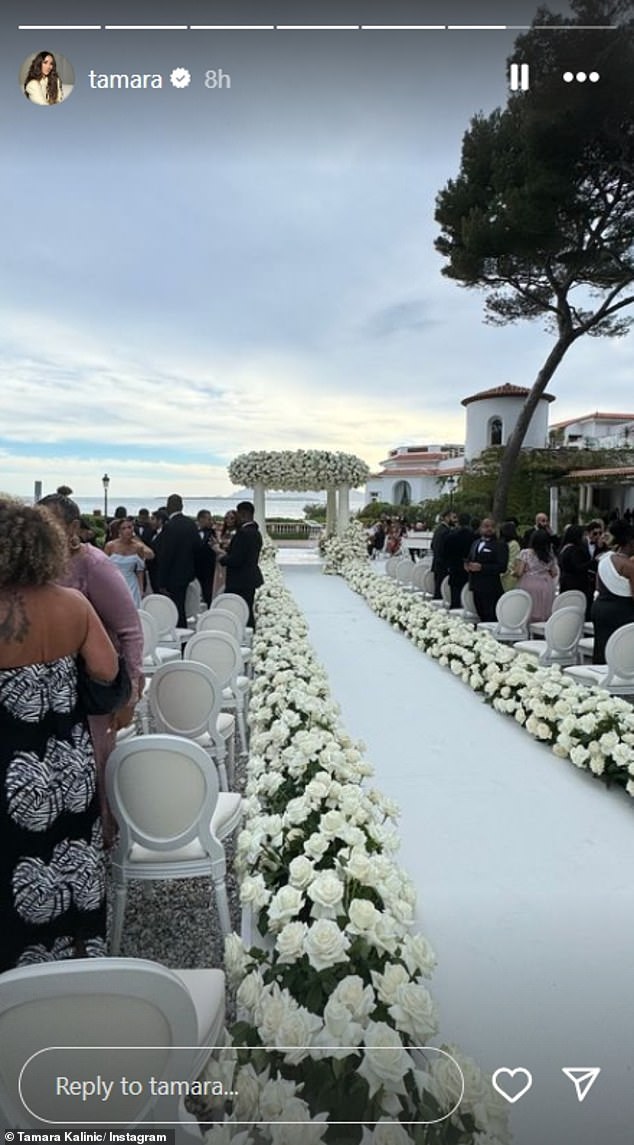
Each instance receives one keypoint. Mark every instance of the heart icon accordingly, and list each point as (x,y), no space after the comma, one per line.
(510,1074)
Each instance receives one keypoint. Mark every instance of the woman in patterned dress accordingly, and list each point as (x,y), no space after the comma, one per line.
(52,879)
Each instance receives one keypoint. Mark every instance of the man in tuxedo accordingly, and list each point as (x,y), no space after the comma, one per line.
(456,549)
(242,556)
(439,565)
(206,559)
(488,558)
(177,550)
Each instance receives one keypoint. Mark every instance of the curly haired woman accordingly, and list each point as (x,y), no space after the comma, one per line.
(42,84)
(52,881)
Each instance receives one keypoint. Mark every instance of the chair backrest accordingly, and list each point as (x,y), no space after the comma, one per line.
(185,698)
(193,597)
(163,791)
(514,608)
(419,574)
(619,655)
(467,602)
(164,612)
(562,631)
(405,571)
(571,598)
(231,602)
(445,592)
(150,633)
(219,651)
(92,1002)
(217,620)
(391,565)
(428,582)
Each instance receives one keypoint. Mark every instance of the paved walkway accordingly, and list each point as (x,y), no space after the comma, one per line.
(524,869)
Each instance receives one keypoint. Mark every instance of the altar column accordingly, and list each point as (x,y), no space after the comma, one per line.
(259,504)
(343,508)
(331,510)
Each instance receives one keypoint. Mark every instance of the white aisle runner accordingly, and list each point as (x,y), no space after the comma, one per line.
(524,868)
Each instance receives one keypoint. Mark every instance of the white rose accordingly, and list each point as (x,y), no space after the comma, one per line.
(271,1010)
(286,903)
(274,1098)
(414,1012)
(297,1029)
(390,1132)
(339,1029)
(418,955)
(325,944)
(253,892)
(385,1061)
(316,846)
(357,998)
(363,916)
(389,982)
(236,960)
(247,1090)
(296,811)
(250,991)
(326,892)
(290,941)
(300,872)
(332,824)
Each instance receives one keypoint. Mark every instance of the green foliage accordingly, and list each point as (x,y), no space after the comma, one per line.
(315,512)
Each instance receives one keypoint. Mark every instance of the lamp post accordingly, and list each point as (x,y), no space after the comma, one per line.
(105,481)
(451,485)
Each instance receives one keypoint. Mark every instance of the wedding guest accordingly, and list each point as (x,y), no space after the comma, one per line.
(129,555)
(542,521)
(157,522)
(120,514)
(242,558)
(90,571)
(456,550)
(598,543)
(143,527)
(439,565)
(52,870)
(177,551)
(43,85)
(537,570)
(487,560)
(206,560)
(224,538)
(614,605)
(574,564)
(508,533)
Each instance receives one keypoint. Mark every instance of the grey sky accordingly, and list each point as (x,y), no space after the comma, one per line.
(190,274)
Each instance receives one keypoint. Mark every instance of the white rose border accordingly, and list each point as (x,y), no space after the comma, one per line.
(586,725)
(336,963)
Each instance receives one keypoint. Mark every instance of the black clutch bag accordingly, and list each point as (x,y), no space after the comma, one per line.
(99,699)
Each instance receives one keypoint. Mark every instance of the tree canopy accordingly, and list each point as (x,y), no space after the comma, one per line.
(541,214)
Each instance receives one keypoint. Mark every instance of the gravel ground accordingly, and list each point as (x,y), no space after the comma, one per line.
(175,922)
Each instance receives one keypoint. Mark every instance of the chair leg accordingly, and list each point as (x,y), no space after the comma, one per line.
(222,903)
(118,913)
(242,729)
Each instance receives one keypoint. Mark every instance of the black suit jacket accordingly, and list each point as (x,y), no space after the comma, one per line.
(493,555)
(177,550)
(206,557)
(241,561)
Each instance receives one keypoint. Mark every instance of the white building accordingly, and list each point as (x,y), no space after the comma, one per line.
(595,431)
(413,473)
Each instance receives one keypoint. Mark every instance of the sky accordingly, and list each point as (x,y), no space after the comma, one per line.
(190,274)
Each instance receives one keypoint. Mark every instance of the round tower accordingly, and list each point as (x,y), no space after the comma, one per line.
(492,416)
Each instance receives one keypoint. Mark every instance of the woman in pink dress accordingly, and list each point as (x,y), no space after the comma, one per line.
(90,571)
(227,531)
(537,570)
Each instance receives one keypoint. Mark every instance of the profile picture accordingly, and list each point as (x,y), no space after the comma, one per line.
(46,78)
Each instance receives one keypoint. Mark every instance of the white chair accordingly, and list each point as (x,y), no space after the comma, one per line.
(176,1015)
(231,602)
(512,611)
(426,581)
(405,573)
(220,652)
(163,791)
(571,598)
(185,699)
(154,655)
(445,595)
(165,612)
(467,610)
(193,601)
(617,674)
(221,620)
(562,634)
(391,565)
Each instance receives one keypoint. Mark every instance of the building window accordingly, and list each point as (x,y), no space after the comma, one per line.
(495,431)
(402,494)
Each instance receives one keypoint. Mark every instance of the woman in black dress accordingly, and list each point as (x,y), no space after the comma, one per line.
(614,605)
(52,877)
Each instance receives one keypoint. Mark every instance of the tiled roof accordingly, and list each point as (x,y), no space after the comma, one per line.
(593,417)
(621,471)
(505,391)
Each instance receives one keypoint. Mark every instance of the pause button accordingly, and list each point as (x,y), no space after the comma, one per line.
(518,77)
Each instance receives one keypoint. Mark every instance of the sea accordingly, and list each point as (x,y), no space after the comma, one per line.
(289,505)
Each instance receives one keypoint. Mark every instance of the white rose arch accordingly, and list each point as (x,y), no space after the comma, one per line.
(298,471)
